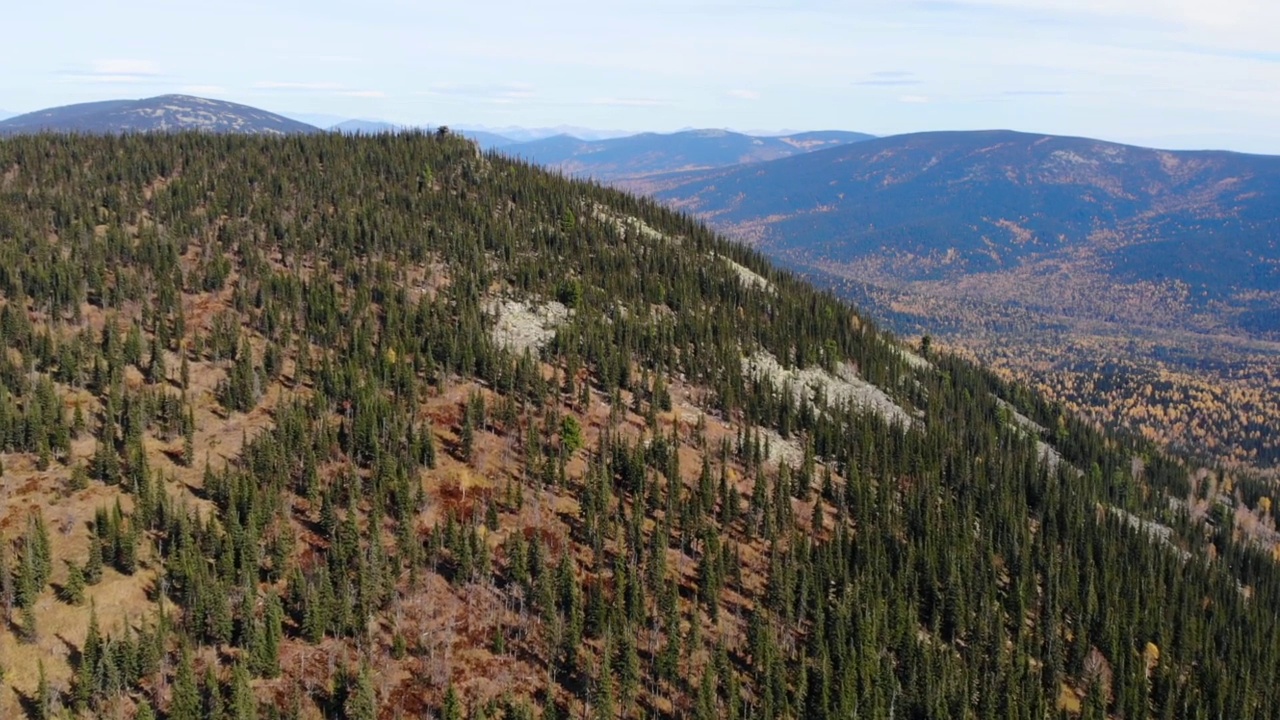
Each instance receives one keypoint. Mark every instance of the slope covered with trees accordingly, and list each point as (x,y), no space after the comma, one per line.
(282,438)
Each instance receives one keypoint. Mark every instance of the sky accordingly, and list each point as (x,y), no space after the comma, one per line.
(1163,73)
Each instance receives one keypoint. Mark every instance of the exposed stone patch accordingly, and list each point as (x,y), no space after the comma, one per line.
(782,449)
(842,387)
(1021,420)
(1159,533)
(1023,424)
(628,224)
(913,359)
(523,326)
(749,278)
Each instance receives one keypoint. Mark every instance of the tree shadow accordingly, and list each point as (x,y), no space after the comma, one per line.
(30,704)
(74,653)
(177,456)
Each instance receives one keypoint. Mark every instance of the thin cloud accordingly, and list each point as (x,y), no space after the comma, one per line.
(913,99)
(888,83)
(289,85)
(203,90)
(744,94)
(1034,93)
(115,72)
(511,97)
(141,68)
(477,89)
(630,102)
(890,78)
(1264,56)
(109,79)
(496,93)
(362,93)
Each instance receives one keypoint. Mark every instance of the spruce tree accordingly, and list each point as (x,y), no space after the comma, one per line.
(185,704)
(362,703)
(452,707)
(244,705)
(267,651)
(44,695)
(214,706)
(73,591)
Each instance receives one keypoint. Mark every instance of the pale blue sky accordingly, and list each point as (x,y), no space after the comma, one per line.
(1170,73)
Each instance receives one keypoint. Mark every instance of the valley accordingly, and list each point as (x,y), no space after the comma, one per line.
(1209,392)
(1057,259)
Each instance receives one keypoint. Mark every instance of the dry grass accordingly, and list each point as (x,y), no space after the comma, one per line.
(119,600)
(449,627)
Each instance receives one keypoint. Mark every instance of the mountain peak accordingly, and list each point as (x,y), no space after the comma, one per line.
(163,113)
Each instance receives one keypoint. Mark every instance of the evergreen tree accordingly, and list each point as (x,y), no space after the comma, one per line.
(44,695)
(452,707)
(185,704)
(362,703)
(244,705)
(73,591)
(214,706)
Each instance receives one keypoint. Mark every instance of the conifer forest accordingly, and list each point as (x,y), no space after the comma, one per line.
(385,427)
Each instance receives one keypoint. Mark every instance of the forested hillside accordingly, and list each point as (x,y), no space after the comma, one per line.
(379,427)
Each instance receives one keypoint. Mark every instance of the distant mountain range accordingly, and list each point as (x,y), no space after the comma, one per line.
(320,120)
(518,134)
(486,140)
(165,113)
(364,127)
(1009,216)
(487,137)
(648,154)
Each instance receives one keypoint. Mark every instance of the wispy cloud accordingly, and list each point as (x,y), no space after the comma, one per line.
(744,94)
(888,83)
(913,99)
(1264,56)
(109,79)
(116,72)
(497,93)
(319,88)
(125,67)
(1034,93)
(630,102)
(203,90)
(890,78)
(290,85)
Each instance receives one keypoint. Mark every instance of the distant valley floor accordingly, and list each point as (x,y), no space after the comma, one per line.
(1214,394)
